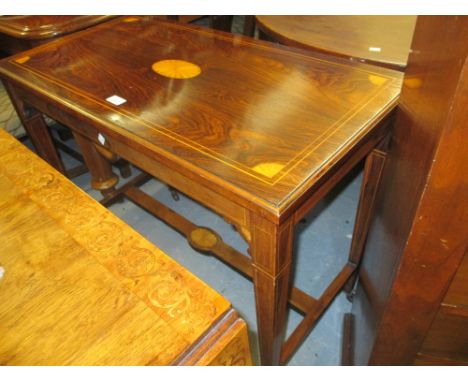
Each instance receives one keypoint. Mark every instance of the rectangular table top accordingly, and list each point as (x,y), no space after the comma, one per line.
(260,120)
(79,286)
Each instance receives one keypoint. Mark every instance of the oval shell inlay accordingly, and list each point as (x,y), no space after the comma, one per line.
(203,238)
(178,69)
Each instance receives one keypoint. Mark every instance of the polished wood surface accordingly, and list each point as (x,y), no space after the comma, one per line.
(379,40)
(259,136)
(412,302)
(313,110)
(80,287)
(46,27)
(19,33)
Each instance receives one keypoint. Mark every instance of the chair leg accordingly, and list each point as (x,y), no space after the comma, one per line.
(249,26)
(222,23)
(37,130)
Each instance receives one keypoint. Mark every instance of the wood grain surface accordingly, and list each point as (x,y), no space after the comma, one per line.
(41,27)
(259,136)
(80,287)
(406,308)
(263,121)
(378,40)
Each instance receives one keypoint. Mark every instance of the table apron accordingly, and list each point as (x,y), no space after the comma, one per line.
(233,212)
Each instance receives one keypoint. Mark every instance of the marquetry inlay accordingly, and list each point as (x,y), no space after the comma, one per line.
(178,69)
(269,169)
(203,238)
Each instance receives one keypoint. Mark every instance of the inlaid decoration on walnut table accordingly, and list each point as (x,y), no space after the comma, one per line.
(80,287)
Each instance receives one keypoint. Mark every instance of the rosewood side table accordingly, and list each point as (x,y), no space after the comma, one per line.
(379,40)
(258,133)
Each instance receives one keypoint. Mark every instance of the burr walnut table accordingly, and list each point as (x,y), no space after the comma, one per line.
(378,40)
(256,132)
(80,287)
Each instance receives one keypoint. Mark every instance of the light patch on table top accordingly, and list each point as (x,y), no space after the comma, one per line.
(178,69)
(377,80)
(130,19)
(22,60)
(268,169)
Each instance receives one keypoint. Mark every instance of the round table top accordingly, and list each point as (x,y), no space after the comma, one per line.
(378,40)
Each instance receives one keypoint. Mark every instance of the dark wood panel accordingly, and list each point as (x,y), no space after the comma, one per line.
(418,234)
(458,291)
(447,337)
(427,360)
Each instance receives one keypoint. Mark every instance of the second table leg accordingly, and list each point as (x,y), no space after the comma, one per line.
(271,250)
(37,130)
(102,177)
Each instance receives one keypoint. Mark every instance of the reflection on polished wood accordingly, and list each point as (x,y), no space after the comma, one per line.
(259,136)
(379,40)
(80,287)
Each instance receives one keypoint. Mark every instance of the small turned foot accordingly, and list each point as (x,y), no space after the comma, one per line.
(106,186)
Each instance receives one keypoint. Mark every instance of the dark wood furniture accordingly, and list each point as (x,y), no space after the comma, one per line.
(20,33)
(80,287)
(259,133)
(377,40)
(219,22)
(411,305)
